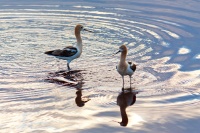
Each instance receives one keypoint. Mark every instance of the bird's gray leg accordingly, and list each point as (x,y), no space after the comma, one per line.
(130,82)
(123,83)
(68,66)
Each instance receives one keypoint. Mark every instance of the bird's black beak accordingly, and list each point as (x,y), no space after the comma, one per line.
(88,30)
(116,53)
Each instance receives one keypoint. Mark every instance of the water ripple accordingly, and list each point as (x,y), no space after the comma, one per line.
(161,41)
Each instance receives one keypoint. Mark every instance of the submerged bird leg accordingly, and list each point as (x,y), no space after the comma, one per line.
(123,83)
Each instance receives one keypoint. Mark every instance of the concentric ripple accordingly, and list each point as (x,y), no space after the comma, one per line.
(161,41)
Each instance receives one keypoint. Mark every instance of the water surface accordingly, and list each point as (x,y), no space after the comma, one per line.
(162,38)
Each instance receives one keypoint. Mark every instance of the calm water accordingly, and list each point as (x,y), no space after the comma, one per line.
(162,38)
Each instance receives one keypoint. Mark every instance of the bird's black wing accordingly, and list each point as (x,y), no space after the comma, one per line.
(66,52)
(133,67)
(69,51)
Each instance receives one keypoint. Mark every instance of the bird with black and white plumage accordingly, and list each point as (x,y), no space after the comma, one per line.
(70,53)
(125,68)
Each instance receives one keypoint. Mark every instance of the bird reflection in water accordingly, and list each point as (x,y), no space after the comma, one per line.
(79,100)
(125,98)
(72,79)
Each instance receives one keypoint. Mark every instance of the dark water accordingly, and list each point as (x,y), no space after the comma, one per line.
(162,38)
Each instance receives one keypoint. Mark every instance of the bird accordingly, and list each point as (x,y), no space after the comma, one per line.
(125,68)
(70,53)
(124,100)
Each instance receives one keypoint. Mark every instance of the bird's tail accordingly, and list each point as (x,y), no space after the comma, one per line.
(49,52)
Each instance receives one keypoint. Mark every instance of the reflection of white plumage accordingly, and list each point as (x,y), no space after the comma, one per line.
(123,67)
(124,100)
(70,53)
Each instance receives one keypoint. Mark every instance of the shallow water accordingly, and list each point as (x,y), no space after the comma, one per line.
(162,38)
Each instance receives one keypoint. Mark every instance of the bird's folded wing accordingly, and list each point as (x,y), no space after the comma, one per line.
(66,52)
(133,67)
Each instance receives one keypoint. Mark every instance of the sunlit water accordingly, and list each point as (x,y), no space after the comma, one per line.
(162,38)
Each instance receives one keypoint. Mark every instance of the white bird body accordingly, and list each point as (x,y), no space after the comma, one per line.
(125,69)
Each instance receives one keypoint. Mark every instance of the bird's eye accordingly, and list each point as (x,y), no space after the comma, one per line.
(81,27)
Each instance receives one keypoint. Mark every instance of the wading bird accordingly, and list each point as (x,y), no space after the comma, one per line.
(70,53)
(125,68)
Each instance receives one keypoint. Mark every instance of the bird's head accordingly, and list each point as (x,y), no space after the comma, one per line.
(80,27)
(122,48)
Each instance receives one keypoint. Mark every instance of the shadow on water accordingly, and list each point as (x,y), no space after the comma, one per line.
(67,78)
(126,98)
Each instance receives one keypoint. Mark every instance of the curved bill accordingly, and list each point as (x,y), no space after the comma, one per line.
(116,53)
(88,30)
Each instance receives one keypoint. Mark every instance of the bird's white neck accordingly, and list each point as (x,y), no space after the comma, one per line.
(79,46)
